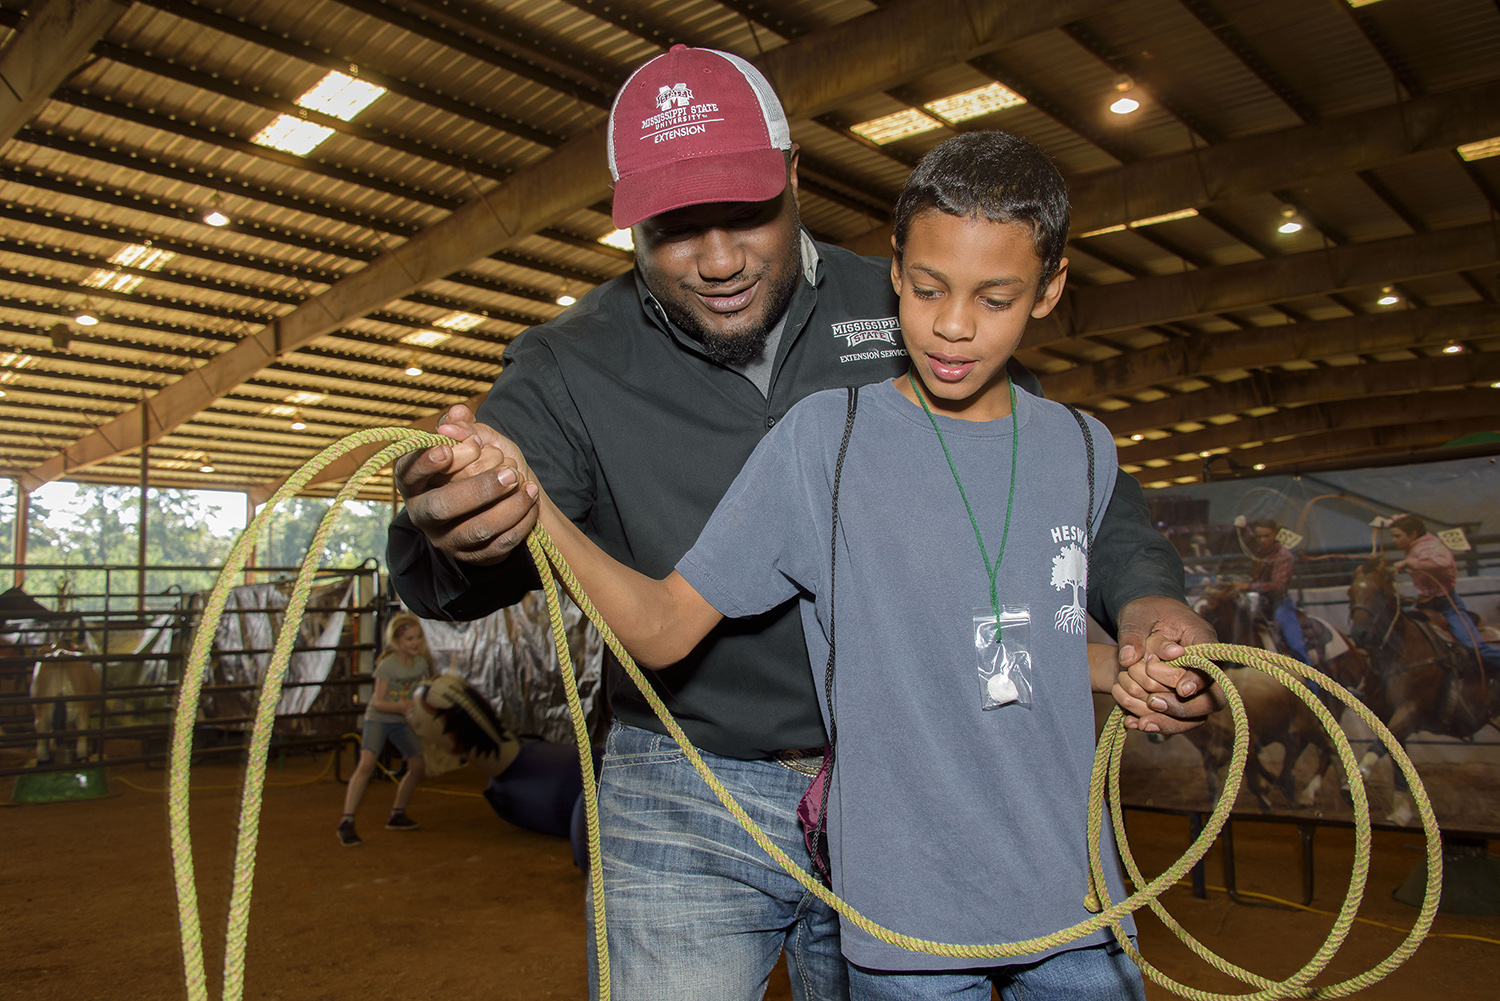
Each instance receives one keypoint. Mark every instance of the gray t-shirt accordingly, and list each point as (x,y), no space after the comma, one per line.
(947,821)
(400,679)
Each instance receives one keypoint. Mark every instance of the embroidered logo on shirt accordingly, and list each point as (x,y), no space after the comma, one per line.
(885,330)
(1070,568)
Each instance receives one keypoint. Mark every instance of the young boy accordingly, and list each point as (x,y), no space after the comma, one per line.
(957,806)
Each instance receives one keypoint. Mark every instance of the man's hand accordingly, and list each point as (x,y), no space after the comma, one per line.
(474,499)
(1162,698)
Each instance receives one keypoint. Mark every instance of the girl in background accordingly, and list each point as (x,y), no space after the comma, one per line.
(405,662)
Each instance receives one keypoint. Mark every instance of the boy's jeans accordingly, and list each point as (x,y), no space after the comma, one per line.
(695,909)
(1100,973)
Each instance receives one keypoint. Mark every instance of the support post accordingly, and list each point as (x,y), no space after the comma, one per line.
(1226,845)
(1307,831)
(249,517)
(22,533)
(1195,828)
(140,546)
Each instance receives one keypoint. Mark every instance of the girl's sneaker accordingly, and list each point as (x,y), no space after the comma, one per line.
(347,837)
(400,822)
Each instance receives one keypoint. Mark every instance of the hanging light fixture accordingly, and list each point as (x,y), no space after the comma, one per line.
(1289,221)
(1388,296)
(412,366)
(1453,348)
(86,317)
(563,298)
(298,424)
(208,464)
(214,215)
(1124,104)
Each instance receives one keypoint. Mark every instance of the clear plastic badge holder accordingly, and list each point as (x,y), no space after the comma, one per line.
(1004,656)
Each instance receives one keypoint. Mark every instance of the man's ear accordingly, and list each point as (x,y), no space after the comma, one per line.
(791,170)
(1047,301)
(895,266)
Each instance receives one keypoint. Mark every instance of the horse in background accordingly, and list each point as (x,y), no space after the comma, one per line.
(1417,681)
(1276,715)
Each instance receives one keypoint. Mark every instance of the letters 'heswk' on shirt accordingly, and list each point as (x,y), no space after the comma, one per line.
(948,822)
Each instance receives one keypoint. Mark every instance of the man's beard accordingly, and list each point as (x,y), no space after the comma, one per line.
(736,350)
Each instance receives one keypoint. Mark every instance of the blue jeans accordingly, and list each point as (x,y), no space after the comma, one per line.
(1291,628)
(694,908)
(1099,973)
(1466,633)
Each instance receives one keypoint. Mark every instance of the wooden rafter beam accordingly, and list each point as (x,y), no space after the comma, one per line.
(1355,444)
(1337,415)
(52,41)
(1284,389)
(1210,354)
(1107,309)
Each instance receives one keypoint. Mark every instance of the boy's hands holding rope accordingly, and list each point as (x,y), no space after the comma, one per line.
(1161,698)
(474,499)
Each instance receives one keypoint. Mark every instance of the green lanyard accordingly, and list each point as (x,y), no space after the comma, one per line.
(1015,442)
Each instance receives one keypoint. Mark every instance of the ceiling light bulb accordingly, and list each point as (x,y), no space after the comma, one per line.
(208,465)
(215,216)
(298,424)
(1495,385)
(1453,348)
(1290,223)
(1260,465)
(1137,437)
(412,368)
(1204,455)
(1388,297)
(1124,104)
(565,300)
(85,318)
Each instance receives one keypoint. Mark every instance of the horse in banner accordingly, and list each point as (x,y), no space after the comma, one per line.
(1418,679)
(62,672)
(1277,716)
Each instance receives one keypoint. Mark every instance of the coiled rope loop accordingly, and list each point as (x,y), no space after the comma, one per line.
(1105,780)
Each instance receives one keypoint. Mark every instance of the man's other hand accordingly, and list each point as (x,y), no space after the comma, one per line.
(1164,699)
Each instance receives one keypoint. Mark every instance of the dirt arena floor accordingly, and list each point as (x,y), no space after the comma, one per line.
(472,908)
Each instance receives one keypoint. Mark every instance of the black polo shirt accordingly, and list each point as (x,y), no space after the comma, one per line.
(636,435)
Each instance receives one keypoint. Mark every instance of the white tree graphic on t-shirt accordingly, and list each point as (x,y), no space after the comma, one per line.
(1070,569)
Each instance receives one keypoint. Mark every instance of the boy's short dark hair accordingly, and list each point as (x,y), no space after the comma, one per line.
(1265,523)
(1410,524)
(994,176)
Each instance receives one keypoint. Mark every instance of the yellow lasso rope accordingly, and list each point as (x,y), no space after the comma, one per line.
(1105,780)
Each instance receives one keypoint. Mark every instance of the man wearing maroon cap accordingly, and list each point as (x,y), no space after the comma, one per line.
(636,409)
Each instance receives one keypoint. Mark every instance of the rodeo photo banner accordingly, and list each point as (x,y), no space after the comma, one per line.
(1385,579)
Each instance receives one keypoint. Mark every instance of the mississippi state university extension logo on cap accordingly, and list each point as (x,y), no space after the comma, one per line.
(694,126)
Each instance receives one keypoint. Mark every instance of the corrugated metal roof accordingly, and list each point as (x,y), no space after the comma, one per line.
(155,129)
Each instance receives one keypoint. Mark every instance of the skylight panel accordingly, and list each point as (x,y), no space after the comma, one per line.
(341,96)
(1480,150)
(620,239)
(889,128)
(141,257)
(974,103)
(304,399)
(1164,217)
(292,135)
(424,338)
(113,281)
(459,321)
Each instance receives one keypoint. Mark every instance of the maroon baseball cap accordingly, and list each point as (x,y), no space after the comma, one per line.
(695,126)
